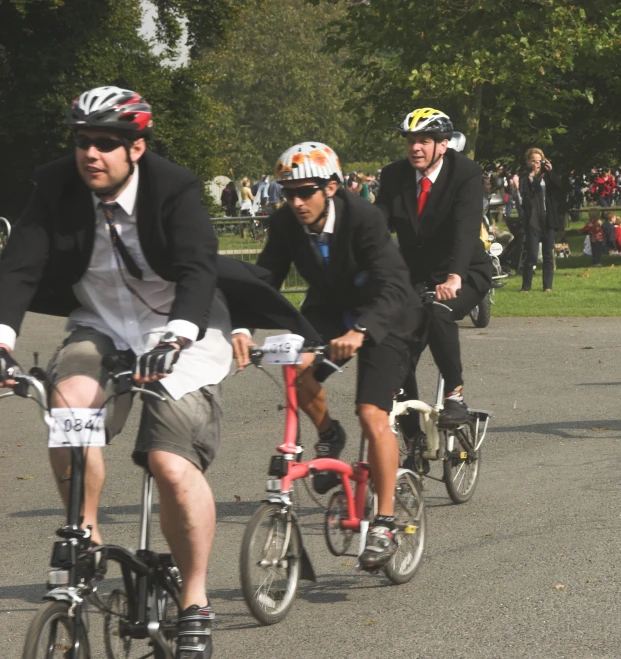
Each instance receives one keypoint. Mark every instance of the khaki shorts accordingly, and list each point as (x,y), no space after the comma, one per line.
(189,427)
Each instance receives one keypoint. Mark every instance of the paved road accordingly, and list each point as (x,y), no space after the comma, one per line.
(528,568)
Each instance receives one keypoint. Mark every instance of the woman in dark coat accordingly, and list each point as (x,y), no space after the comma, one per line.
(540,188)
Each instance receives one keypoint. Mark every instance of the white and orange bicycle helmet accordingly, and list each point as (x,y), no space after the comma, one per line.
(308,160)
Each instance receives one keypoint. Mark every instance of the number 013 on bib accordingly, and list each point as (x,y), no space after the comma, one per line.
(76,427)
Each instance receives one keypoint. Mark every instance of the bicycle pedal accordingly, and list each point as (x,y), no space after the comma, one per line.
(463,455)
(410,529)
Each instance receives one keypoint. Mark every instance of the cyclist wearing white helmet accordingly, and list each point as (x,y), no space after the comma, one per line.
(433,200)
(360,301)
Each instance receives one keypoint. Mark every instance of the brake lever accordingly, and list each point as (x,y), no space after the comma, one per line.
(147,392)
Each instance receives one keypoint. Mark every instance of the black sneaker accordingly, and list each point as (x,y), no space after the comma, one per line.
(414,460)
(455,413)
(194,636)
(330,444)
(379,549)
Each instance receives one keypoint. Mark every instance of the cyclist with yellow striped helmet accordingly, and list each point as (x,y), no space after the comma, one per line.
(433,199)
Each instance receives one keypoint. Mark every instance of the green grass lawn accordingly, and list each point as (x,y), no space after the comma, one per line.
(578,289)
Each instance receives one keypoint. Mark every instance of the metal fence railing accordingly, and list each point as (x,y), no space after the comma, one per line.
(243,238)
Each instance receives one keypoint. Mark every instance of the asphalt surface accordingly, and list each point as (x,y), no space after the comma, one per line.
(528,568)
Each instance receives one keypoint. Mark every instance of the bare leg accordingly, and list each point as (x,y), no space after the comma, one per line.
(383,455)
(312,396)
(188,519)
(80,391)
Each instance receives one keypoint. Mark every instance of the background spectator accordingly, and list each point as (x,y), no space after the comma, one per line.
(246,197)
(594,230)
(539,189)
(228,199)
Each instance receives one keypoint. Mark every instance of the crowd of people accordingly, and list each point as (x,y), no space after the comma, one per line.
(265,196)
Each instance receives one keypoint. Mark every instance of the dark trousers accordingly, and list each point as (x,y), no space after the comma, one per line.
(597,249)
(531,241)
(442,336)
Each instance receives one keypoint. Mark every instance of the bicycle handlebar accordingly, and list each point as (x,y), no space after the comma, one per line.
(257,353)
(36,378)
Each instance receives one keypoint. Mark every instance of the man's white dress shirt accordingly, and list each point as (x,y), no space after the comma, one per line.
(110,308)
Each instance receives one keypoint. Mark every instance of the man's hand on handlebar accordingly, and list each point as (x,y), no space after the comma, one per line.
(346,346)
(241,349)
(6,362)
(449,289)
(157,363)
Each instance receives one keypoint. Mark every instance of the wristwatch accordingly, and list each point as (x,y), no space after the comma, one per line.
(171,337)
(358,328)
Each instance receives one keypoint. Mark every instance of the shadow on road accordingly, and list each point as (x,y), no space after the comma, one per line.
(565,429)
(31,593)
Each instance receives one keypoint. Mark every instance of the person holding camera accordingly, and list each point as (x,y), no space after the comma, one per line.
(539,189)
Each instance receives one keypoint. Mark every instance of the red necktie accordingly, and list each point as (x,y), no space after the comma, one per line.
(425,186)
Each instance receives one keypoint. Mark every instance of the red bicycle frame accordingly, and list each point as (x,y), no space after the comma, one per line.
(358,473)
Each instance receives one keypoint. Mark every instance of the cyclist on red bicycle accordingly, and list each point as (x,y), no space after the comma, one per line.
(359,300)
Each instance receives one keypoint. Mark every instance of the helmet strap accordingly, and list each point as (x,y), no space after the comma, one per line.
(326,207)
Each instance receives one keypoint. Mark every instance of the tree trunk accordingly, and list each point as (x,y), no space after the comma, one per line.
(470,112)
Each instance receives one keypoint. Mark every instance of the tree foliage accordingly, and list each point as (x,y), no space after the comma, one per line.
(512,74)
(52,50)
(281,87)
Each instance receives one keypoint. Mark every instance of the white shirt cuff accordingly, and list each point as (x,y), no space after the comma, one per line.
(242,330)
(8,336)
(183,328)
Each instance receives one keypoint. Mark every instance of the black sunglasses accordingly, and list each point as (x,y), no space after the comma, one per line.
(304,193)
(102,144)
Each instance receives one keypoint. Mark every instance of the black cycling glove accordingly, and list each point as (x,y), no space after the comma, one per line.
(6,362)
(158,361)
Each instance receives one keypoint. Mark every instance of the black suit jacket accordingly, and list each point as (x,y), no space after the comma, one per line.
(366,278)
(51,245)
(553,190)
(445,239)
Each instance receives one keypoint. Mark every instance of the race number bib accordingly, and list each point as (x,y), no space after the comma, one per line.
(283,349)
(76,427)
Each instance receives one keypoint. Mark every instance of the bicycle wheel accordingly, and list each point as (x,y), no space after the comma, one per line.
(52,632)
(411,529)
(116,642)
(461,466)
(338,539)
(270,563)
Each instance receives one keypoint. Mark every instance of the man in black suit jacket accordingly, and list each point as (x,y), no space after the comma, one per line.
(433,200)
(360,301)
(116,238)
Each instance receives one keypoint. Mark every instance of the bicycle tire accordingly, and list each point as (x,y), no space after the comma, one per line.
(482,313)
(337,538)
(116,645)
(50,617)
(279,557)
(411,526)
(461,475)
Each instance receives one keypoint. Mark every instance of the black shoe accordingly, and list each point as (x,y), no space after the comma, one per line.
(414,460)
(194,636)
(379,549)
(454,414)
(330,445)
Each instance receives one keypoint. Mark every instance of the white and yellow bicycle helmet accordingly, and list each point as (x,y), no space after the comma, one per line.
(427,121)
